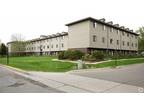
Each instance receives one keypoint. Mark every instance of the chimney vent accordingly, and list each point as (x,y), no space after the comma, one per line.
(103,20)
(110,22)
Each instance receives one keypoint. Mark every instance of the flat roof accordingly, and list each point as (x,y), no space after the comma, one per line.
(102,22)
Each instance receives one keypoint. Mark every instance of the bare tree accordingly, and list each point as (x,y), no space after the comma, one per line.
(17,37)
(17,44)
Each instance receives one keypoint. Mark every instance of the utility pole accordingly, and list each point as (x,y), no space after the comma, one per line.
(7,56)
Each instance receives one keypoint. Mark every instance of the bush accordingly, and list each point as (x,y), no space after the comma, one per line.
(71,54)
(61,55)
(88,57)
(98,55)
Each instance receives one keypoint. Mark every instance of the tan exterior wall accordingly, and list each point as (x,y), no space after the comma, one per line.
(48,45)
(79,35)
(115,35)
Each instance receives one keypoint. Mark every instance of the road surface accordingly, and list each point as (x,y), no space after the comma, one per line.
(131,74)
(12,83)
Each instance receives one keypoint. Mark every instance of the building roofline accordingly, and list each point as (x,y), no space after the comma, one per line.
(102,22)
(49,37)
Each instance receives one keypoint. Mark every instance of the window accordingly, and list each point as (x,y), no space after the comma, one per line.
(94,38)
(111,41)
(51,46)
(123,43)
(136,45)
(104,27)
(57,46)
(132,44)
(135,37)
(103,40)
(111,29)
(117,42)
(43,47)
(117,31)
(127,43)
(47,47)
(123,33)
(94,24)
(127,34)
(62,45)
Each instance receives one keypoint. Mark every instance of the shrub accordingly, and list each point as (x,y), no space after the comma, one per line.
(75,55)
(98,55)
(71,54)
(88,57)
(61,55)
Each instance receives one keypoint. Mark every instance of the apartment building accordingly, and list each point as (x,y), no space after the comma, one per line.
(86,35)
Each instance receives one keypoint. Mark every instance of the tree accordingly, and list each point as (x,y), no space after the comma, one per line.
(141,38)
(17,44)
(3,49)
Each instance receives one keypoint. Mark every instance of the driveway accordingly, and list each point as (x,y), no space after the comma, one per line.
(13,83)
(131,75)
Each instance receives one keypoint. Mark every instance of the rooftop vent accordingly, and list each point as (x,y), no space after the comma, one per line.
(53,35)
(58,34)
(43,36)
(63,33)
(122,27)
(110,22)
(127,29)
(103,20)
(117,25)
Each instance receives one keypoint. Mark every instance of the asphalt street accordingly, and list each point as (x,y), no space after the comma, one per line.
(132,74)
(12,83)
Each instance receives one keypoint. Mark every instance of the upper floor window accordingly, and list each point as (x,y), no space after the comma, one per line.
(103,39)
(123,43)
(51,46)
(104,27)
(94,24)
(57,46)
(117,31)
(117,42)
(62,45)
(132,44)
(135,37)
(43,47)
(127,43)
(47,46)
(111,41)
(123,33)
(136,45)
(127,34)
(94,38)
(111,29)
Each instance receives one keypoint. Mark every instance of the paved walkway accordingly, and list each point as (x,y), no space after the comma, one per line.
(11,82)
(68,82)
(73,83)
(131,74)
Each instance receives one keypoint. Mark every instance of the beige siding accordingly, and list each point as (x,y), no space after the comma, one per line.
(79,35)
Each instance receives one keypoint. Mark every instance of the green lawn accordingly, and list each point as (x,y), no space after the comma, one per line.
(119,63)
(36,63)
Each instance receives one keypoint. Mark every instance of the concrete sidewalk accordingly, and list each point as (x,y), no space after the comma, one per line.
(67,82)
(78,84)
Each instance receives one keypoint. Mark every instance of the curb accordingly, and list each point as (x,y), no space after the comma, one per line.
(50,83)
